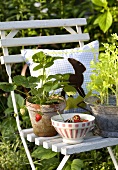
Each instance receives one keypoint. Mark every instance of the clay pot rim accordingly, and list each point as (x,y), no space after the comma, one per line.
(94,101)
(38,106)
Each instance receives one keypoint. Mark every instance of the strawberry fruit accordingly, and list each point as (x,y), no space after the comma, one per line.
(76,118)
(85,120)
(38,117)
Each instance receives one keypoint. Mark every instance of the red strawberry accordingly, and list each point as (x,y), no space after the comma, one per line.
(84,120)
(75,121)
(38,117)
(76,118)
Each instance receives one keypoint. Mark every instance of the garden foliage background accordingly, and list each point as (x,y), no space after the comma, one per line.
(102,19)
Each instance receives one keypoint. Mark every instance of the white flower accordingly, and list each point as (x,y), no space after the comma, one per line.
(31,17)
(37,4)
(44,10)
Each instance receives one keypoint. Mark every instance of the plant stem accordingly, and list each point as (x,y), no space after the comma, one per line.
(22,92)
(43,81)
(60,115)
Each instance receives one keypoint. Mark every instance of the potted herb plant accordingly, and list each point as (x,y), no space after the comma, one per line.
(43,101)
(104,87)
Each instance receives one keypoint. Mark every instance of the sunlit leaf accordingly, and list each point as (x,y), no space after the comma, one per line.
(102,3)
(70,90)
(72,102)
(105,21)
(38,57)
(77,164)
(38,67)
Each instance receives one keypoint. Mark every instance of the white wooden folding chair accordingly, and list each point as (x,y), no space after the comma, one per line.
(9,40)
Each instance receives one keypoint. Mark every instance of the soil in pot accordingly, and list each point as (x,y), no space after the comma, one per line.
(43,127)
(106,117)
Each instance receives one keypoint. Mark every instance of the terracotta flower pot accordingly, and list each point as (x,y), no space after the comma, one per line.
(44,127)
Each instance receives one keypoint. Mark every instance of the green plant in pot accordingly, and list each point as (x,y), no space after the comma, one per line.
(43,101)
(104,87)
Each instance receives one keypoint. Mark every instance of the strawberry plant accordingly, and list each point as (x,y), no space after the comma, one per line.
(45,92)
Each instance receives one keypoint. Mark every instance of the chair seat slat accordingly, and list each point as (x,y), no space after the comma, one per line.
(87,145)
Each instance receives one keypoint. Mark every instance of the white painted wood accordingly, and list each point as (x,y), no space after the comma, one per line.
(27,131)
(5,50)
(113,157)
(8,70)
(67,38)
(31,137)
(64,160)
(57,146)
(40,140)
(48,144)
(42,23)
(70,30)
(12,59)
(12,34)
(79,31)
(89,145)
(2,33)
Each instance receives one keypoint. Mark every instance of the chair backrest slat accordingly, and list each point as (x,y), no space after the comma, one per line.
(10,29)
(53,39)
(42,23)
(12,59)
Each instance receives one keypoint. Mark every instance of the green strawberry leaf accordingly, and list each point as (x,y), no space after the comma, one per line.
(42,153)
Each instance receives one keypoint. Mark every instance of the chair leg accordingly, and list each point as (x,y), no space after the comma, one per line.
(20,130)
(113,157)
(27,151)
(62,163)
